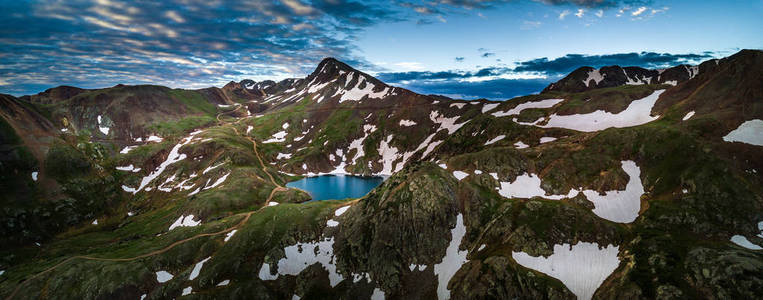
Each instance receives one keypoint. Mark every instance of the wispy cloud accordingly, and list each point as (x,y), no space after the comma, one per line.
(638,11)
(177,43)
(564,14)
(527,25)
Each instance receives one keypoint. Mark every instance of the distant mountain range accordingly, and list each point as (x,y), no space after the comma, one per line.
(618,182)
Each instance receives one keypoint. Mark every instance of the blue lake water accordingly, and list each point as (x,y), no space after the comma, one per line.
(328,187)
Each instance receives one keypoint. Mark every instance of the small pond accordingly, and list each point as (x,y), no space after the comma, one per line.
(326,187)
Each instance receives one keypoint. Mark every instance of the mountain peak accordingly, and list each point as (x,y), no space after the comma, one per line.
(331,66)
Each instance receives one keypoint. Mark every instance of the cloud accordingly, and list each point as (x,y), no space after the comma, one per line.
(496,83)
(414,66)
(595,3)
(638,11)
(527,25)
(570,62)
(660,10)
(580,13)
(564,14)
(600,13)
(498,89)
(178,43)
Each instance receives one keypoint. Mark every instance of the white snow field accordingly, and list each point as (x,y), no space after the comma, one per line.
(528,186)
(637,113)
(453,259)
(535,104)
(581,268)
(620,206)
(302,255)
(750,132)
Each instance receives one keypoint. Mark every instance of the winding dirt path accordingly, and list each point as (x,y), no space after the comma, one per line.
(247,215)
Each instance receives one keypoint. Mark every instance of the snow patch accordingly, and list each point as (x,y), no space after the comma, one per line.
(582,268)
(210,168)
(185,221)
(688,116)
(197,269)
(302,255)
(378,294)
(453,259)
(229,235)
(163,276)
(218,182)
(637,113)
(535,104)
(460,174)
(596,76)
(498,138)
(528,186)
(173,157)
(547,139)
(489,107)
(620,206)
(742,241)
(749,132)
(153,138)
(341,210)
(407,123)
(278,137)
(127,149)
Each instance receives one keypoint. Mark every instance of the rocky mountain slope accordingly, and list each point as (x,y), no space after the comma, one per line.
(595,188)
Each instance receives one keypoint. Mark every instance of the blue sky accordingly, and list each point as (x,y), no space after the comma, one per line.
(460,48)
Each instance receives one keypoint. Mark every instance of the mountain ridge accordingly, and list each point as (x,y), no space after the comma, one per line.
(179,193)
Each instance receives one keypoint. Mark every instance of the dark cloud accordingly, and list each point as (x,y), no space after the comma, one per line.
(483,83)
(395,77)
(441,5)
(498,89)
(598,3)
(570,62)
(460,59)
(489,82)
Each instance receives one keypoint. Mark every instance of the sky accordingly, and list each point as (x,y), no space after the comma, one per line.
(459,48)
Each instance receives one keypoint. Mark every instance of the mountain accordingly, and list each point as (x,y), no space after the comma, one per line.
(587,78)
(595,188)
